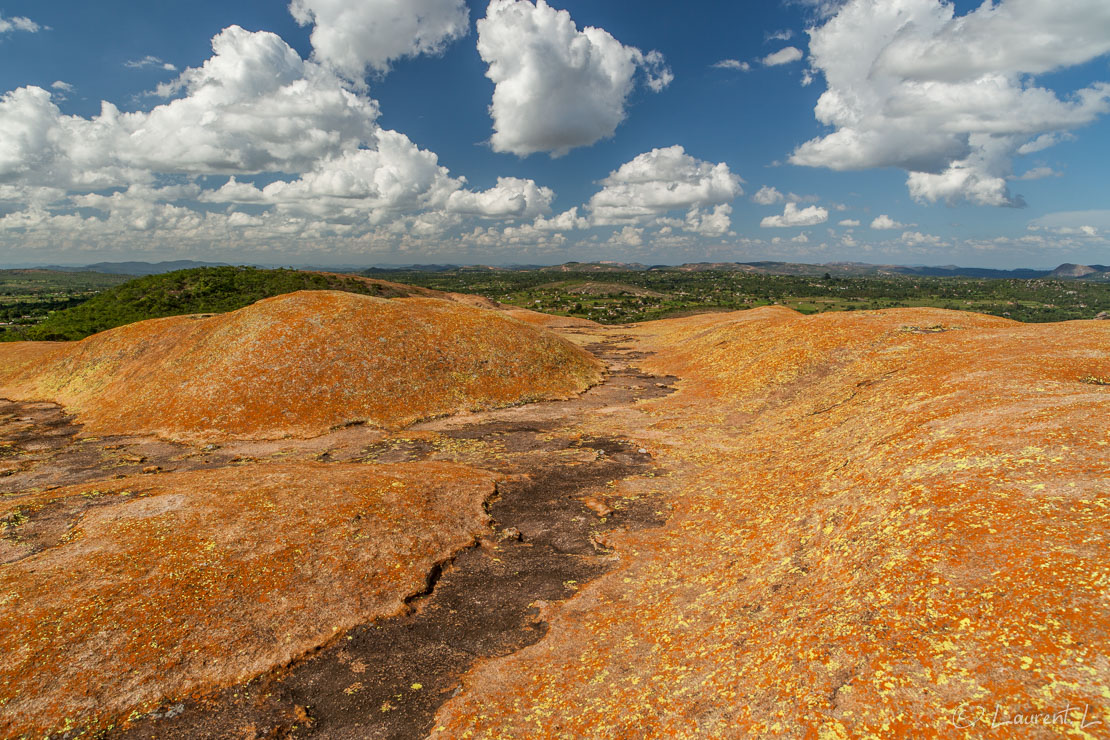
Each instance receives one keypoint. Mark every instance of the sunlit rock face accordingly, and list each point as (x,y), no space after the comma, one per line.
(298,365)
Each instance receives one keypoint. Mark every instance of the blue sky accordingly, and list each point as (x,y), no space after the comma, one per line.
(946,136)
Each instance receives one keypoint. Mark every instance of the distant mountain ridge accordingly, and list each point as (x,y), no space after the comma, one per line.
(767,267)
(1067,271)
(139,269)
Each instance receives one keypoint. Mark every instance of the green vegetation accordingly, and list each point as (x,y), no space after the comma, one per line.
(645,295)
(200,290)
(27,297)
(46,305)
(44,282)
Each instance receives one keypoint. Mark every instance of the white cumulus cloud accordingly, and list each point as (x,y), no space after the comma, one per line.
(351,37)
(393,177)
(557,87)
(949,98)
(253,108)
(376,185)
(851,223)
(512,197)
(714,223)
(658,182)
(794,216)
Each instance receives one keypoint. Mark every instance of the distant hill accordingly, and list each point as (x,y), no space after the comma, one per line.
(975,272)
(136,268)
(199,290)
(1068,271)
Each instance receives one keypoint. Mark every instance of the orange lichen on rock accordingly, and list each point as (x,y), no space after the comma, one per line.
(547,320)
(299,365)
(159,587)
(884,524)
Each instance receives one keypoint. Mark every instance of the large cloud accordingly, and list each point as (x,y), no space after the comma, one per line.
(254,106)
(368,185)
(948,98)
(378,184)
(353,36)
(557,87)
(512,198)
(664,180)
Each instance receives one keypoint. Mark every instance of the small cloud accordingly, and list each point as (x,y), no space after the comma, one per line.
(1039,172)
(732,64)
(794,216)
(768,196)
(916,238)
(1044,141)
(1074,222)
(884,221)
(18,23)
(659,75)
(851,223)
(150,61)
(784,35)
(782,56)
(1075,231)
(61,89)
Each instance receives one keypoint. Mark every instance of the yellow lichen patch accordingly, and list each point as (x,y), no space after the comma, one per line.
(177,585)
(17,359)
(299,365)
(872,530)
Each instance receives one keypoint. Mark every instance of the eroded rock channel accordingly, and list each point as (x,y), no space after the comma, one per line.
(386,679)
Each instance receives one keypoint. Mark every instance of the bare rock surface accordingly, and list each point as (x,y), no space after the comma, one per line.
(756,524)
